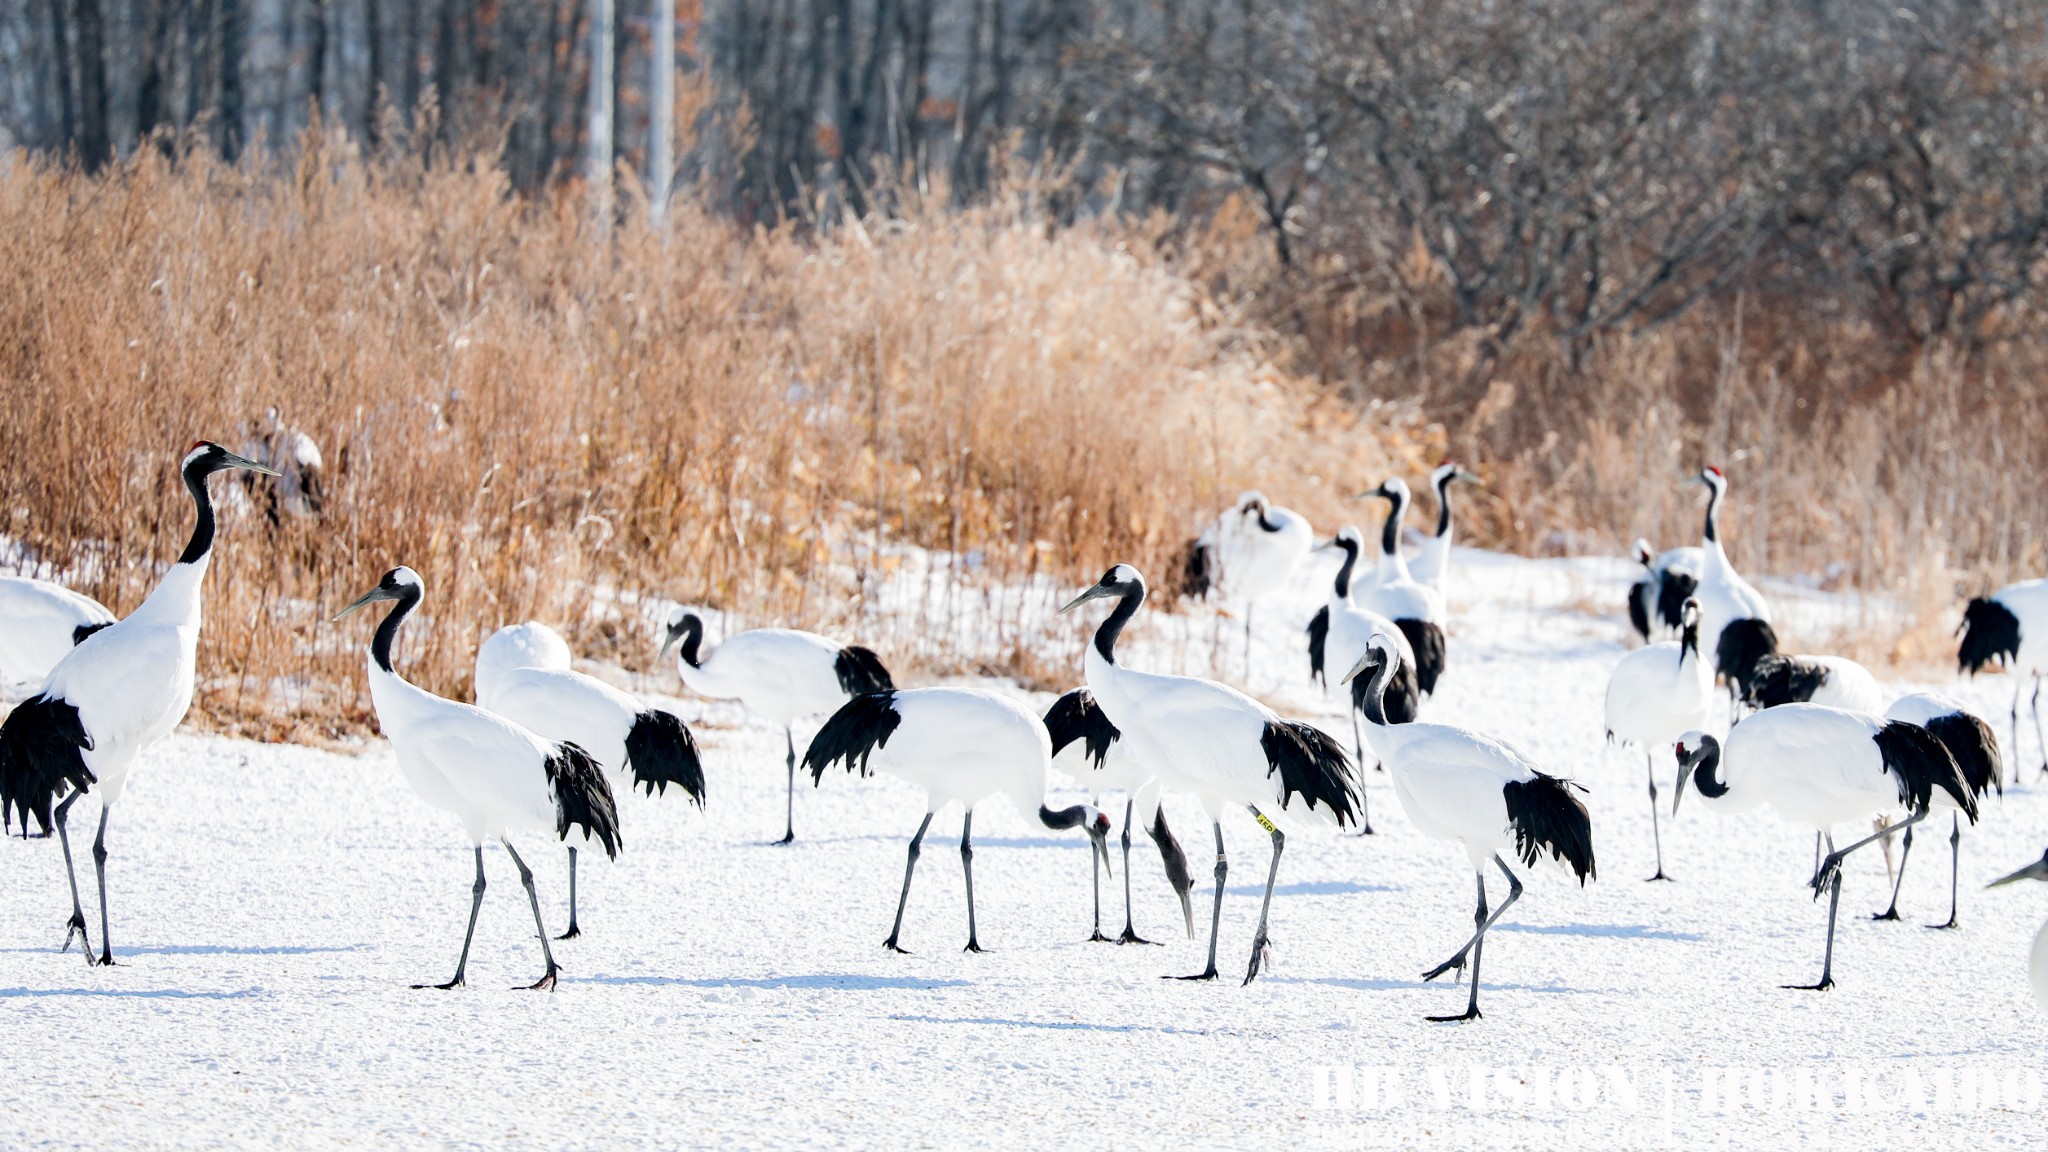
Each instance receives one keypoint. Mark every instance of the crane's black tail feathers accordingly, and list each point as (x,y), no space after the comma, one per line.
(661,752)
(860,670)
(1991,635)
(1403,702)
(1639,594)
(1312,764)
(1195,571)
(1075,716)
(40,760)
(1428,642)
(79,633)
(1318,635)
(1780,680)
(1975,748)
(861,725)
(1545,814)
(1921,764)
(582,798)
(1743,644)
(1674,588)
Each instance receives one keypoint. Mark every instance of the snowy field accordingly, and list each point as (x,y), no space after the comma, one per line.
(272,905)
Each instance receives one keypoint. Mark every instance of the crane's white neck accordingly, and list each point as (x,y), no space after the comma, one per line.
(175,600)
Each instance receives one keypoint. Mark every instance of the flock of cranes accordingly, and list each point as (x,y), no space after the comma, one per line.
(546,748)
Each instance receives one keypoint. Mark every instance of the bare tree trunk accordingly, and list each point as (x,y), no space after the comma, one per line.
(598,162)
(93,143)
(661,122)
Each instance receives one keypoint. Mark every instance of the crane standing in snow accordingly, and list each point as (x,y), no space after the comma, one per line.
(959,744)
(118,691)
(40,623)
(1434,560)
(1415,608)
(1656,694)
(779,674)
(522,674)
(2009,628)
(1249,552)
(492,774)
(1822,766)
(1214,741)
(1480,792)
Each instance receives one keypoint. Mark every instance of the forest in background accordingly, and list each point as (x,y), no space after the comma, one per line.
(1586,248)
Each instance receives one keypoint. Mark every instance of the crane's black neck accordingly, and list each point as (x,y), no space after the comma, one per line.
(1443,503)
(1713,512)
(1350,548)
(1689,639)
(693,637)
(380,646)
(202,532)
(1375,702)
(1266,522)
(1390,532)
(1113,626)
(1705,761)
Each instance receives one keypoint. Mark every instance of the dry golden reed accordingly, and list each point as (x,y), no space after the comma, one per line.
(551,420)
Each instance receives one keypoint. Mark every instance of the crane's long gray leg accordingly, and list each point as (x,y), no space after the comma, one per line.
(1458,961)
(2015,718)
(1478,948)
(476,901)
(967,870)
(2040,734)
(573,931)
(1272,873)
(1815,882)
(789,828)
(76,925)
(1364,801)
(547,980)
(1130,935)
(1216,915)
(1827,963)
(1831,865)
(1905,854)
(99,865)
(910,866)
(1656,837)
(1955,852)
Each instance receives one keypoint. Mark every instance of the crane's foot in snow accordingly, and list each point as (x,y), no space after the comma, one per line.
(1887,914)
(892,946)
(1659,876)
(546,983)
(788,838)
(1097,937)
(1944,927)
(1130,937)
(76,927)
(458,982)
(1210,974)
(572,933)
(106,959)
(973,947)
(1826,982)
(1471,1013)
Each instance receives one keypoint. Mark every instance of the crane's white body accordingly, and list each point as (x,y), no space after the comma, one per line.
(553,701)
(132,682)
(1351,631)
(1449,781)
(2037,966)
(779,674)
(1658,693)
(965,745)
(1393,591)
(37,622)
(1251,560)
(486,770)
(1811,763)
(1849,686)
(528,645)
(2028,602)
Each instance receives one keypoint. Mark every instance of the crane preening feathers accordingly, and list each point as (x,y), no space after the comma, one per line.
(119,690)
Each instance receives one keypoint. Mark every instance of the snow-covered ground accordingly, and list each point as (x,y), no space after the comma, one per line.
(272,905)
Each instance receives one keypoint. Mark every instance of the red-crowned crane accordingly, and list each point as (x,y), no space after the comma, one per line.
(1970,742)
(2009,628)
(1478,791)
(1735,619)
(1215,742)
(1337,637)
(492,774)
(778,674)
(1656,694)
(1434,558)
(959,744)
(1822,766)
(1414,607)
(1248,552)
(518,677)
(40,623)
(114,694)
(1669,579)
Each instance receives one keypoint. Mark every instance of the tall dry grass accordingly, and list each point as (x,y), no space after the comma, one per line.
(553,421)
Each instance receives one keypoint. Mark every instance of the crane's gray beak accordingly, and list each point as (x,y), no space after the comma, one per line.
(243,462)
(364,601)
(1092,593)
(2038,870)
(675,632)
(1369,661)
(1324,545)
(1468,477)
(1684,774)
